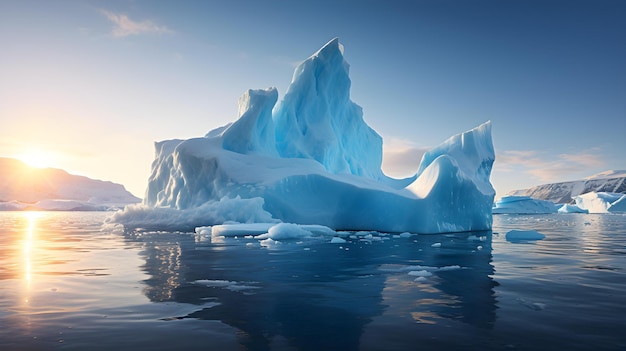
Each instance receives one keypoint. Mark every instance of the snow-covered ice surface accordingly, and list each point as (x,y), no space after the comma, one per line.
(523,205)
(312,159)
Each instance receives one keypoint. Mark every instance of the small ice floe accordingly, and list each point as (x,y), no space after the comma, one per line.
(270,243)
(284,231)
(276,231)
(337,240)
(523,235)
(436,245)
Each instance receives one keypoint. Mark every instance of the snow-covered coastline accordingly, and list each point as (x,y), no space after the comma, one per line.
(25,188)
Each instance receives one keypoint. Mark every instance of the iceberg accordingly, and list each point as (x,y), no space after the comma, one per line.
(567,208)
(523,205)
(602,202)
(312,160)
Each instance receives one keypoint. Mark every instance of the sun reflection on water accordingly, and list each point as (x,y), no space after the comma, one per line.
(28,246)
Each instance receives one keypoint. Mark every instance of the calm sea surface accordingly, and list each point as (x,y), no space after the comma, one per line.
(66,284)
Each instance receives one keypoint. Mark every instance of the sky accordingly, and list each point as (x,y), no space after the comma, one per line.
(89,86)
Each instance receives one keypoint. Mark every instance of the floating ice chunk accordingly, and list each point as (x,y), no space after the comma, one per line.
(270,243)
(337,240)
(282,231)
(523,235)
(436,245)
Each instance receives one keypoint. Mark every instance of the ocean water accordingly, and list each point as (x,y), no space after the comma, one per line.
(67,284)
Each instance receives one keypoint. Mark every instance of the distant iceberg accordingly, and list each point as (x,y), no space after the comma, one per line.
(312,159)
(602,202)
(567,208)
(523,205)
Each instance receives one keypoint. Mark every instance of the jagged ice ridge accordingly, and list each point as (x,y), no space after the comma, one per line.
(312,159)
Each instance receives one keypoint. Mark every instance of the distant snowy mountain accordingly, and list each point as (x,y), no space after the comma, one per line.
(613,181)
(23,187)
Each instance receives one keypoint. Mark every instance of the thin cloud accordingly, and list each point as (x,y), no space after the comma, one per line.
(548,169)
(123,26)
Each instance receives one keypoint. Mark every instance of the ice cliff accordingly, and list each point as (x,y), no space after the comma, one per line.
(312,159)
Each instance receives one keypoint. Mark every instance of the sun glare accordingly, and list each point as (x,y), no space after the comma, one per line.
(37,158)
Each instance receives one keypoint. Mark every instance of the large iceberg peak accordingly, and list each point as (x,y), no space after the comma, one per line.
(317,119)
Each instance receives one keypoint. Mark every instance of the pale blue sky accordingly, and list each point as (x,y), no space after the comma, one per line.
(92,84)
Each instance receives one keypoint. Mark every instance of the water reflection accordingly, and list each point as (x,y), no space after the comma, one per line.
(314,295)
(27,244)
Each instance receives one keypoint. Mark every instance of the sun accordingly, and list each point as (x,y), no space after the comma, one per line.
(37,158)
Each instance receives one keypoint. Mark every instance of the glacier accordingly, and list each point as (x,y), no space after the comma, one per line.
(311,159)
